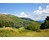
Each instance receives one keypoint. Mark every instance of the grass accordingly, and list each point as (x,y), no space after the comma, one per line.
(21,32)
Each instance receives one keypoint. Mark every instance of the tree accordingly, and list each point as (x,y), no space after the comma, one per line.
(45,25)
(33,26)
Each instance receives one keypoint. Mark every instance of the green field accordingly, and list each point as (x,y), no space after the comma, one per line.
(21,32)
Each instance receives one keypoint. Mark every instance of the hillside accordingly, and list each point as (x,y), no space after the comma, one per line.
(8,20)
(13,21)
(40,21)
(27,19)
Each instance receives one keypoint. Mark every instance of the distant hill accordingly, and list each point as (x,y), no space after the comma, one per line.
(40,21)
(26,18)
(14,21)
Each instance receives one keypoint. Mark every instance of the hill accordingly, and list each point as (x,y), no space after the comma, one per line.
(40,21)
(26,18)
(7,20)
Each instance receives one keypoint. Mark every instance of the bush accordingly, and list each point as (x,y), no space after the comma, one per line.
(33,26)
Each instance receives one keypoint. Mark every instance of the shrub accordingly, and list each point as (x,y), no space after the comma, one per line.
(33,26)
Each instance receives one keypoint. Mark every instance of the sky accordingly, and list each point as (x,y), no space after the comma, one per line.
(35,11)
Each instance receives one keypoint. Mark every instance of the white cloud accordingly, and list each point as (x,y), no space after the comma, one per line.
(22,14)
(40,8)
(41,14)
(47,7)
(4,13)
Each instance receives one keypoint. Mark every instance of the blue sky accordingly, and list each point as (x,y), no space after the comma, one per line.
(24,9)
(17,7)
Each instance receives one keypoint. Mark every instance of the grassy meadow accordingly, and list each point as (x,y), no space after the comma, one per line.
(21,32)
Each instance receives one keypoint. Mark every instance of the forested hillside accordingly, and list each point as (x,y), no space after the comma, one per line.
(14,21)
